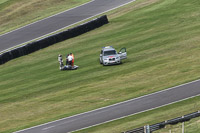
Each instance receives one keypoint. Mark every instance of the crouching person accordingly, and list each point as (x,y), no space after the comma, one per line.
(70,59)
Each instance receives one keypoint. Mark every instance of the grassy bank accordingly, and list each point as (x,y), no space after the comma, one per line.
(163,43)
(153,117)
(18,13)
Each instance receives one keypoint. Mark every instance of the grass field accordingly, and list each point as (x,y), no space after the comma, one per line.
(17,13)
(153,117)
(163,44)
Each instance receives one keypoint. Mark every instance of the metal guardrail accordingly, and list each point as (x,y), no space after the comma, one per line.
(137,130)
(161,125)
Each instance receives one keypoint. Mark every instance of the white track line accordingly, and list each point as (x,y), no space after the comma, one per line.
(113,104)
(47,18)
(118,104)
(6,50)
(137,113)
(48,128)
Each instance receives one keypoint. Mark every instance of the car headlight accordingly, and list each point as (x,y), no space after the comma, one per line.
(117,57)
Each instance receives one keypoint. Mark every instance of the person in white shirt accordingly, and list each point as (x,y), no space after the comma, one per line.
(70,58)
(67,59)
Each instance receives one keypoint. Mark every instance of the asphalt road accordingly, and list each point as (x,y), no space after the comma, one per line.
(57,22)
(119,110)
(104,114)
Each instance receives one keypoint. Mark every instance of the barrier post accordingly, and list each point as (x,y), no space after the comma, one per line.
(182,125)
(147,129)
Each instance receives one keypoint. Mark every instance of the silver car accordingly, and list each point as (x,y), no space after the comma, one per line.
(110,56)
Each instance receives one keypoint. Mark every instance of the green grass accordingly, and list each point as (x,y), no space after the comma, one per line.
(18,13)
(153,117)
(163,43)
(3,1)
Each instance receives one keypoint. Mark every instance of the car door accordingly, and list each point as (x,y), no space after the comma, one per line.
(101,57)
(122,53)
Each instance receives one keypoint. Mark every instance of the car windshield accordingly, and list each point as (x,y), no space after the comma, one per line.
(111,52)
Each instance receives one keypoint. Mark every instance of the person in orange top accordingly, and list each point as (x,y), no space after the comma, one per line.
(72,59)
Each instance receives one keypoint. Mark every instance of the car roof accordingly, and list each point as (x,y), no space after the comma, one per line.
(108,48)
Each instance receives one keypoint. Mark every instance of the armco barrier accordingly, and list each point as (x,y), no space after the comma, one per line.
(161,125)
(50,40)
(137,130)
(5,57)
